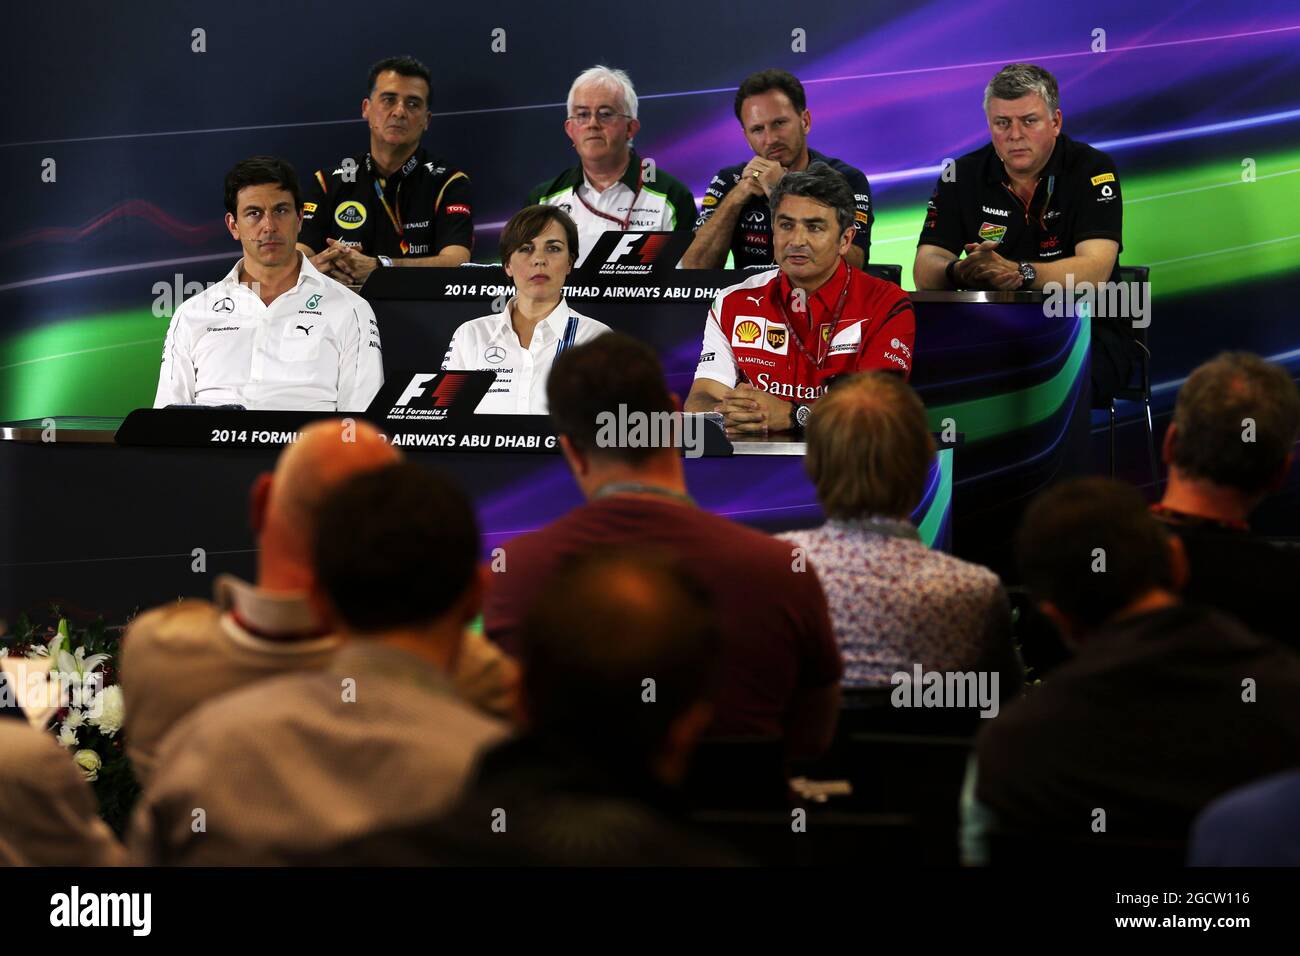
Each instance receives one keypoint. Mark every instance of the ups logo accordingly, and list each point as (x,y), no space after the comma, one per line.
(776,337)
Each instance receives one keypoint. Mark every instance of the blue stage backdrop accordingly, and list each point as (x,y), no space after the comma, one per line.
(1199,103)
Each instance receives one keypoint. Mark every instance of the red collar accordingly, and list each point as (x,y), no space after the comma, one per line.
(826,296)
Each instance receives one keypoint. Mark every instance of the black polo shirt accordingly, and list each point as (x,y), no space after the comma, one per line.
(430,200)
(1077,198)
(751,242)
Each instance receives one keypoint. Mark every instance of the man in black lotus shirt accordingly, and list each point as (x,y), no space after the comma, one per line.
(395,205)
(1032,207)
(773,113)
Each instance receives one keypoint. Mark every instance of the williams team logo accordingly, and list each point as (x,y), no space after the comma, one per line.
(350,215)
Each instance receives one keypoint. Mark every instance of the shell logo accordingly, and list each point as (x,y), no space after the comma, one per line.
(748,332)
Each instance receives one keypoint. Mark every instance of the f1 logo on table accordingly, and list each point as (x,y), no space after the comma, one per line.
(442,394)
(650,246)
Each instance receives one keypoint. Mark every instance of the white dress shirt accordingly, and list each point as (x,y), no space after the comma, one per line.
(314,348)
(491,344)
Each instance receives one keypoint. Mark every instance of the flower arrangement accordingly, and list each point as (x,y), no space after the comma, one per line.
(87,715)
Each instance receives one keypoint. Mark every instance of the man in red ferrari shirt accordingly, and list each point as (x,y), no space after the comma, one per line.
(773,343)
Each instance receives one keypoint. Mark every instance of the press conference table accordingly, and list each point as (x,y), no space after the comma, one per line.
(105,527)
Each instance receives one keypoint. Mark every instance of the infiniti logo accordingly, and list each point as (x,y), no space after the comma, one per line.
(224,305)
(756,216)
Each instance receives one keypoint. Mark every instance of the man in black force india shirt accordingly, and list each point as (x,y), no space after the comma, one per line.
(1032,207)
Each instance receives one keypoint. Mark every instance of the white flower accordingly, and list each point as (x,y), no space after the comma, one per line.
(67,736)
(106,710)
(89,763)
(74,719)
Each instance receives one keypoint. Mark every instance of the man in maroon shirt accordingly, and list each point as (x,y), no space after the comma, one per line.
(773,343)
(780,667)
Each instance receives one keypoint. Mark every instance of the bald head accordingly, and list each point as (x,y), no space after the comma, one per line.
(324,455)
(609,621)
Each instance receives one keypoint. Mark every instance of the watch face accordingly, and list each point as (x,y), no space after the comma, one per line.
(801,415)
(1028,272)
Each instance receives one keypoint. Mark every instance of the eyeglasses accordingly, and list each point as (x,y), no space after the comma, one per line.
(604,116)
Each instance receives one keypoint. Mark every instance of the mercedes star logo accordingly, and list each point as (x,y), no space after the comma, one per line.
(495,354)
(224,305)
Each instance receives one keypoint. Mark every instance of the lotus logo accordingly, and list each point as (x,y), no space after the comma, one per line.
(224,305)
(495,355)
(748,332)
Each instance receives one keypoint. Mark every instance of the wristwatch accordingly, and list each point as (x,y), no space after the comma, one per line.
(801,415)
(950,273)
(384,261)
(1028,273)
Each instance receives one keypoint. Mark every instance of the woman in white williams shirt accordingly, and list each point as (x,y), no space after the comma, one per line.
(538,248)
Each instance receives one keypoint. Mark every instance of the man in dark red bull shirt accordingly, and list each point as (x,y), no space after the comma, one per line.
(773,343)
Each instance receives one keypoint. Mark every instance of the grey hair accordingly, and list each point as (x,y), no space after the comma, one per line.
(822,184)
(607,77)
(1022,79)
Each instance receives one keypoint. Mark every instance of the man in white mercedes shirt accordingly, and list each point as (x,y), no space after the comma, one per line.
(274,334)
(521,342)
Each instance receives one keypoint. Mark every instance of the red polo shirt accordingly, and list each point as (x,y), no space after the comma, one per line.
(758,332)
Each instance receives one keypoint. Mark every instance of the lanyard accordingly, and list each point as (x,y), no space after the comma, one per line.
(1042,213)
(395,219)
(622,224)
(835,320)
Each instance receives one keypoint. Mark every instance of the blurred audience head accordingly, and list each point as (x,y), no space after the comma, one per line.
(608,376)
(1235,426)
(1091,552)
(869,448)
(619,658)
(397,550)
(284,503)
